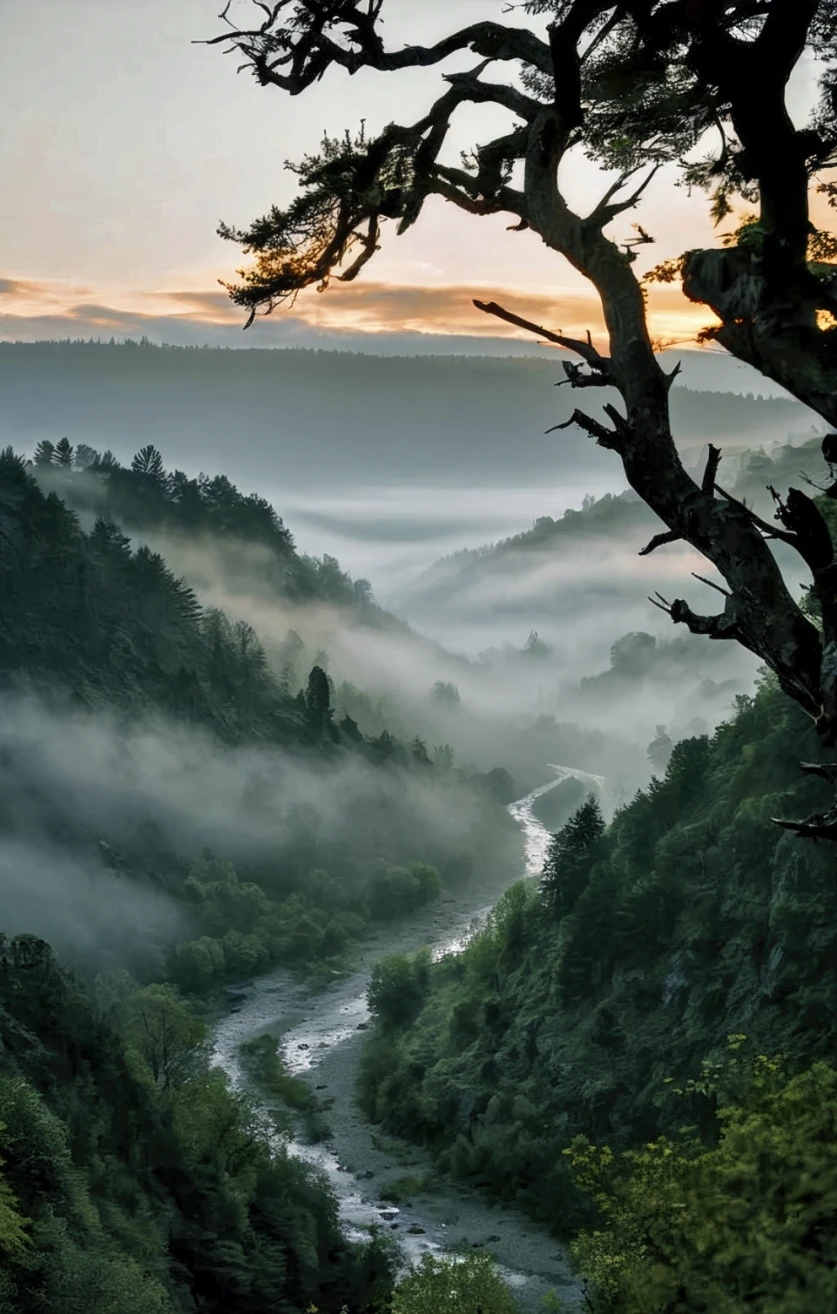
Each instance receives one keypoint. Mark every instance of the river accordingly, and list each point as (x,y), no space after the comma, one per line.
(321,1038)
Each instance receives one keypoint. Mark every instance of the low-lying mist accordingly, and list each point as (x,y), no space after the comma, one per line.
(101,816)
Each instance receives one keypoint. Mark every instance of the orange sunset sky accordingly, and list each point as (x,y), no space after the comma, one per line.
(124,144)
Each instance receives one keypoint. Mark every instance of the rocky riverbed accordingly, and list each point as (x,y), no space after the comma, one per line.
(321,1038)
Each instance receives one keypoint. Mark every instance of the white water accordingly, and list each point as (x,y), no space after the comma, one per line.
(315,1028)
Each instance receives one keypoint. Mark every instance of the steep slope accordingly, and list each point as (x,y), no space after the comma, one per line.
(693,918)
(133,1181)
(142,731)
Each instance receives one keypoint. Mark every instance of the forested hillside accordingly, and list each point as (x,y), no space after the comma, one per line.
(132,1181)
(691,919)
(146,497)
(150,743)
(595,530)
(174,806)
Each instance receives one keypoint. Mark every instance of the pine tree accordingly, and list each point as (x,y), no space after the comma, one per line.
(149,463)
(570,858)
(64,453)
(318,703)
(44,452)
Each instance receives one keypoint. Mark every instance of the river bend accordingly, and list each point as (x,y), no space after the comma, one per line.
(321,1037)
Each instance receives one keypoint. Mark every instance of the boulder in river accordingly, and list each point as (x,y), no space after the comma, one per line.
(415,1230)
(362,1026)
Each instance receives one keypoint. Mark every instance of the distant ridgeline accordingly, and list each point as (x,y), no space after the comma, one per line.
(168,395)
(750,472)
(608,522)
(147,497)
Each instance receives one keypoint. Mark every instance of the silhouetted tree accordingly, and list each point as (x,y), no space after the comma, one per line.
(637,87)
(85,456)
(318,703)
(44,452)
(148,463)
(363,592)
(535,646)
(570,858)
(64,453)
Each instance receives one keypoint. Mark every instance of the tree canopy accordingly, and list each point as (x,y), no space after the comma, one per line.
(700,86)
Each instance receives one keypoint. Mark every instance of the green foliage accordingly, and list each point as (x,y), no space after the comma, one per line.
(313,928)
(746,1224)
(570,858)
(164,1035)
(13,1234)
(698,918)
(398,986)
(134,1181)
(87,614)
(263,1060)
(453,1285)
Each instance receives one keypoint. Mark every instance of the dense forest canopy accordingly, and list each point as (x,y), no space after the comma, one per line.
(636,86)
(574,1058)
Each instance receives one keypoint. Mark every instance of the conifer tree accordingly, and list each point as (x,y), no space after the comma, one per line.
(44,452)
(149,462)
(570,858)
(318,703)
(64,453)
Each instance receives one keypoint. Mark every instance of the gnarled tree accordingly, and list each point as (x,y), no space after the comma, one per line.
(637,86)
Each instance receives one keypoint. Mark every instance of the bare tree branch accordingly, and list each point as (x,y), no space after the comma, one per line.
(609,209)
(712,585)
(306,49)
(659,540)
(584,349)
(823,825)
